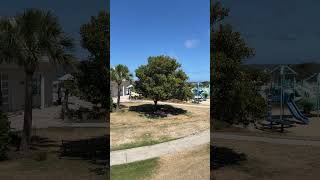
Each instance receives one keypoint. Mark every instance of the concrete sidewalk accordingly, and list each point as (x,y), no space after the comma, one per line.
(147,152)
(124,99)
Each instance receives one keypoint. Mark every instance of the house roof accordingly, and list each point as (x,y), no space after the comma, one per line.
(66,77)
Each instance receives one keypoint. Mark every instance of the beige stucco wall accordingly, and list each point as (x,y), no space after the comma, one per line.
(16,78)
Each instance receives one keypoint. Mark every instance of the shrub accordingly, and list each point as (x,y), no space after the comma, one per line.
(205,95)
(306,105)
(111,104)
(4,135)
(15,139)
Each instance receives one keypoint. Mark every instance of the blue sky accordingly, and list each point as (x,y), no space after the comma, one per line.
(281,31)
(71,13)
(178,28)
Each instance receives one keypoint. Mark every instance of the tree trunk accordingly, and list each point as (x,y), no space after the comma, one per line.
(62,110)
(27,124)
(118,100)
(155,104)
(59,96)
(66,96)
(0,96)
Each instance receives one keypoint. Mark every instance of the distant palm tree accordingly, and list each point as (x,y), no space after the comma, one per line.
(119,74)
(25,40)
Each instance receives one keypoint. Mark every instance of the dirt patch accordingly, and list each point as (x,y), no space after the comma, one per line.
(130,126)
(187,165)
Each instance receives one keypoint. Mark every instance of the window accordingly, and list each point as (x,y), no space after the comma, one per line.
(36,85)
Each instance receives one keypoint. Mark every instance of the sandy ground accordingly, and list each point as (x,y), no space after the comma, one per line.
(299,131)
(129,126)
(310,130)
(268,161)
(188,165)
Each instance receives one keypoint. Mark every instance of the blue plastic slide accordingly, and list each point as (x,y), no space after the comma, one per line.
(296,112)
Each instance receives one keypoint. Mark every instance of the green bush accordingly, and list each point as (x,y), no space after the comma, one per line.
(306,105)
(205,95)
(4,135)
(111,104)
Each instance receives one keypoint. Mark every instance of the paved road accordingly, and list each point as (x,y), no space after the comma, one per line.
(171,147)
(265,139)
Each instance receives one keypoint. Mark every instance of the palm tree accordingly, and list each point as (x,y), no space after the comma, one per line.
(119,74)
(25,40)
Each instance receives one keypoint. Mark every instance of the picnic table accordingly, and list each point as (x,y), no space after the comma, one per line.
(277,124)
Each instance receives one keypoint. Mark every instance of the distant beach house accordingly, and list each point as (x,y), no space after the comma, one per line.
(12,86)
(124,90)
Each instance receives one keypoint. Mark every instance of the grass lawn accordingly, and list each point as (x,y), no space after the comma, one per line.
(48,141)
(187,165)
(50,169)
(134,171)
(129,126)
(146,141)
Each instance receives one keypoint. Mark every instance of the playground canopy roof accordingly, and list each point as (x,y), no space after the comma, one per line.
(284,69)
(66,77)
(314,77)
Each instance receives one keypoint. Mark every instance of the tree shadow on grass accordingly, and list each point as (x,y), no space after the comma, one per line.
(222,156)
(91,148)
(94,150)
(162,111)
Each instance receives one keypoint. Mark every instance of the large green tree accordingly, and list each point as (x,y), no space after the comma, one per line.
(235,88)
(24,40)
(93,75)
(118,74)
(162,79)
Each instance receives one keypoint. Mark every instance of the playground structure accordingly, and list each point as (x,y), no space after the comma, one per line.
(283,90)
(199,93)
(310,90)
